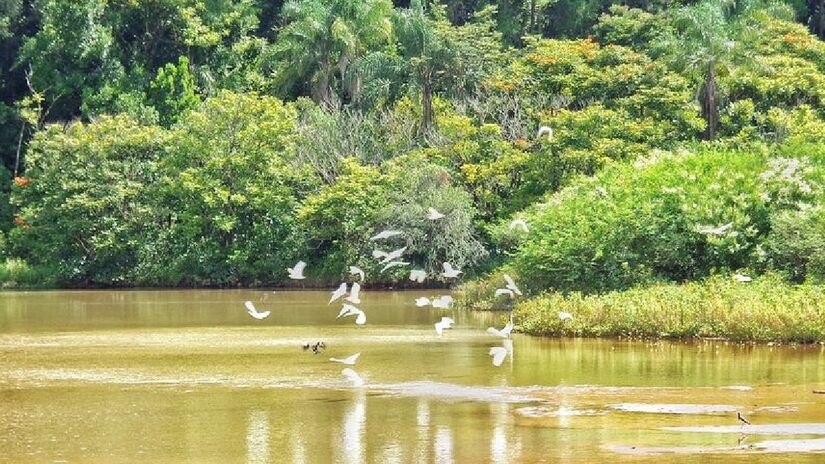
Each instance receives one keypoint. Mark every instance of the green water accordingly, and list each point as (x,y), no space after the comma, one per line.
(188,376)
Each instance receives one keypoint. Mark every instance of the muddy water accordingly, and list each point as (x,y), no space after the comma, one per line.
(187,376)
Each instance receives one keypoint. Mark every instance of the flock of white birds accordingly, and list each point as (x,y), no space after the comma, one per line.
(391,259)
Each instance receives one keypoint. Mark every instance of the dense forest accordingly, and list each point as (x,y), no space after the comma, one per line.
(215,143)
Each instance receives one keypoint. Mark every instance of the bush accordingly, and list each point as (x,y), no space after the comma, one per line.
(766,309)
(638,223)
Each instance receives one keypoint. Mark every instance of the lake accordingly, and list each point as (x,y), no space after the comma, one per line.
(188,376)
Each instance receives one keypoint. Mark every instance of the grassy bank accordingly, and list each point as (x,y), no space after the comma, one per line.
(765,310)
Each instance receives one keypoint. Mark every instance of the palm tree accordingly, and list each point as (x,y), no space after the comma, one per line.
(710,37)
(322,38)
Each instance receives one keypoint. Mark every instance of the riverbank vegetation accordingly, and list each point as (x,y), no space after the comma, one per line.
(178,143)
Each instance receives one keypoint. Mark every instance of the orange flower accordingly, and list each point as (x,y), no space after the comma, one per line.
(521,143)
(21,181)
(18,221)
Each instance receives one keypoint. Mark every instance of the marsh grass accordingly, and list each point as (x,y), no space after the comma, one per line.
(765,310)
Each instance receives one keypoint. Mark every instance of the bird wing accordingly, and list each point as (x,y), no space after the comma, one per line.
(338,293)
(354,294)
(351,359)
(504,291)
(347,310)
(439,328)
(357,270)
(448,322)
(361,319)
(494,331)
(498,353)
(448,268)
(379,254)
(353,377)
(299,267)
(423,301)
(507,329)
(250,307)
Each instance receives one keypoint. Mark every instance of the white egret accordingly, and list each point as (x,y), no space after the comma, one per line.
(503,333)
(349,361)
(504,291)
(393,264)
(354,294)
(423,301)
(519,223)
(710,230)
(250,308)
(498,353)
(442,302)
(444,323)
(418,275)
(385,234)
(379,254)
(565,316)
(297,272)
(433,214)
(742,278)
(350,310)
(511,284)
(545,130)
(355,270)
(339,292)
(353,377)
(449,271)
(391,256)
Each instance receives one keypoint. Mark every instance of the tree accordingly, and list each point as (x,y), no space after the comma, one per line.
(173,91)
(710,38)
(322,39)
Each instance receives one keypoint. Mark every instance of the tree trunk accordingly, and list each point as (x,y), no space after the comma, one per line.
(709,110)
(426,102)
(532,16)
(816,10)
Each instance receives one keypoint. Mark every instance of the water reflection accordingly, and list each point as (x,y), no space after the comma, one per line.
(422,417)
(443,445)
(257,437)
(354,424)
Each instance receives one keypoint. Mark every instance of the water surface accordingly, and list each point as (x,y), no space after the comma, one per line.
(188,376)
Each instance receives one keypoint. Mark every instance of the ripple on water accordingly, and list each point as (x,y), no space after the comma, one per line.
(653,408)
(814,428)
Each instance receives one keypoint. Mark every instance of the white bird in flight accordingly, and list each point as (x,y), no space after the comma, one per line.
(742,278)
(511,285)
(297,272)
(355,270)
(353,377)
(418,275)
(565,316)
(385,234)
(710,230)
(444,323)
(504,291)
(449,271)
(387,257)
(339,292)
(433,214)
(349,361)
(392,264)
(354,294)
(250,308)
(519,223)
(350,310)
(498,353)
(503,333)
(421,302)
(545,130)
(442,302)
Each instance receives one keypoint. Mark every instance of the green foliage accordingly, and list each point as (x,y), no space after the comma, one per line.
(631,224)
(83,206)
(227,196)
(334,223)
(767,309)
(173,91)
